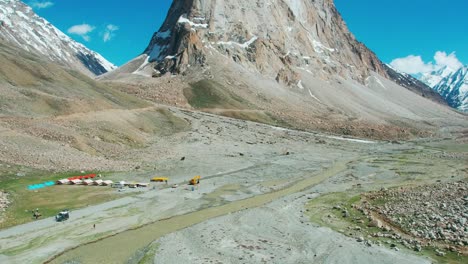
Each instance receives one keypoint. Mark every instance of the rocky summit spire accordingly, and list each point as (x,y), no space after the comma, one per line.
(275,37)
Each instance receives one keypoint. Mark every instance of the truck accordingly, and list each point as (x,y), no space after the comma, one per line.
(195,180)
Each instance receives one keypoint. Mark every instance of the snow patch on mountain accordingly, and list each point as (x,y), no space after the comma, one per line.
(319,47)
(183,20)
(313,96)
(242,45)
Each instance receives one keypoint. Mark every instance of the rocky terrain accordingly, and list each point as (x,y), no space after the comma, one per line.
(434,215)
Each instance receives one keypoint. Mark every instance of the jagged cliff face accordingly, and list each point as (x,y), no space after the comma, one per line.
(276,38)
(21,27)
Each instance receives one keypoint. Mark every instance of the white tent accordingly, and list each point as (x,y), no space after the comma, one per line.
(98,182)
(88,182)
(108,182)
(63,181)
(77,182)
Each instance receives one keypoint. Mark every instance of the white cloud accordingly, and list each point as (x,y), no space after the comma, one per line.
(109,33)
(442,59)
(413,64)
(83,30)
(41,4)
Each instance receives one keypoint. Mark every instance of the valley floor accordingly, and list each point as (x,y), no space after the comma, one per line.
(251,205)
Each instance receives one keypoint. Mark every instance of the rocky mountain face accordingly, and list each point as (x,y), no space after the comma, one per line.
(284,62)
(20,26)
(274,38)
(454,88)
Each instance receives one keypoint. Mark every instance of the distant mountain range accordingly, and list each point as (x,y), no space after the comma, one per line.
(21,27)
(452,84)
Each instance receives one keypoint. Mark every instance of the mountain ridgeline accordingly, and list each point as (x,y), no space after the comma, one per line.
(451,84)
(20,26)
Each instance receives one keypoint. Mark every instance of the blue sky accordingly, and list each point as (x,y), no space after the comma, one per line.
(415,31)
(133,23)
(411,30)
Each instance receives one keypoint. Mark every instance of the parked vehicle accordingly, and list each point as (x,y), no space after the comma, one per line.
(62,216)
(195,180)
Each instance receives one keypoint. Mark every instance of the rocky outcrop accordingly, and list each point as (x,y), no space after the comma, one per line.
(276,38)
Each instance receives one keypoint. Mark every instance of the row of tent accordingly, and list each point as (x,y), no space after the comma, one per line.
(84,182)
(83,177)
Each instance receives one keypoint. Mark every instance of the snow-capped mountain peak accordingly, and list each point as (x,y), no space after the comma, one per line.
(20,26)
(454,88)
(434,77)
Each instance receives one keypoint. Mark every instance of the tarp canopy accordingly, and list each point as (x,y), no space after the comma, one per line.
(40,185)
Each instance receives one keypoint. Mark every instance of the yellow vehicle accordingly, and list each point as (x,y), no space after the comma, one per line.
(195,180)
(160,179)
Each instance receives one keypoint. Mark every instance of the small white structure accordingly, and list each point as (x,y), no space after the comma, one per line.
(76,182)
(88,182)
(98,182)
(107,183)
(63,182)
